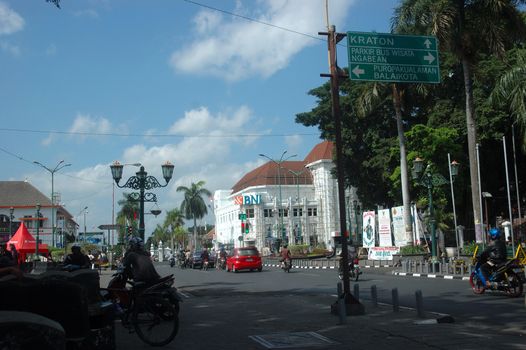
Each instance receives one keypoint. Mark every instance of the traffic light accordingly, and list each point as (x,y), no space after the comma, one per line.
(242,227)
(130,230)
(246,228)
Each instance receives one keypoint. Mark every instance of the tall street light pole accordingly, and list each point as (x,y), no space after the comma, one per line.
(297,175)
(85,212)
(278,163)
(38,231)
(430,179)
(59,166)
(141,181)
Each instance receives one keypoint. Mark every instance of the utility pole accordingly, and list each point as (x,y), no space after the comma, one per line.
(335,73)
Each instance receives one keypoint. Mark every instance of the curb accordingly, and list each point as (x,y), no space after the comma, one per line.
(430,275)
(303,267)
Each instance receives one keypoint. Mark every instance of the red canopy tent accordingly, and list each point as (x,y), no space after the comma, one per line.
(25,243)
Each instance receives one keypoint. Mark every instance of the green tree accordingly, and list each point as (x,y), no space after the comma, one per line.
(174,219)
(458,24)
(193,206)
(126,215)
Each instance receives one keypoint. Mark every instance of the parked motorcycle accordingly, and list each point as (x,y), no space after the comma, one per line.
(286,265)
(354,270)
(507,277)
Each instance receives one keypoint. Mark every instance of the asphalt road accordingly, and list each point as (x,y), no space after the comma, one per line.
(453,297)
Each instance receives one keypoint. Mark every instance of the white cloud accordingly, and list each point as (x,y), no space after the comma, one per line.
(86,124)
(293,141)
(234,48)
(9,48)
(10,21)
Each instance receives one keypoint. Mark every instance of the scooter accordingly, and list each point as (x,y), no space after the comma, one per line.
(354,270)
(286,265)
(172,261)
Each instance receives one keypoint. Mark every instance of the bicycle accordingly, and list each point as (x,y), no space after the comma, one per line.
(151,311)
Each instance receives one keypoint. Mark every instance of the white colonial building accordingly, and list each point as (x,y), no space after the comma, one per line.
(292,201)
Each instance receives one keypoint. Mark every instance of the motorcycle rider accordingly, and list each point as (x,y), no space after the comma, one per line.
(205,256)
(222,258)
(285,254)
(137,263)
(493,255)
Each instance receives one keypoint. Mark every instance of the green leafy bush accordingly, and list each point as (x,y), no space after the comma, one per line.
(469,248)
(412,249)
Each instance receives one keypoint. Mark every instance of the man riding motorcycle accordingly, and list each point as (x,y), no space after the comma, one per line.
(493,255)
(222,259)
(285,255)
(138,264)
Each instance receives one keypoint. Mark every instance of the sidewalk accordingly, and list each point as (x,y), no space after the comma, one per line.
(226,319)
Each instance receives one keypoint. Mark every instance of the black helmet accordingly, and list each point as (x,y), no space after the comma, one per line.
(135,243)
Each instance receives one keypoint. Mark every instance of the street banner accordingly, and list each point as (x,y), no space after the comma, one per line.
(384,228)
(382,253)
(418,230)
(399,226)
(369,229)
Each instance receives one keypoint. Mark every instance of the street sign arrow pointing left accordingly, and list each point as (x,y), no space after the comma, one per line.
(358,71)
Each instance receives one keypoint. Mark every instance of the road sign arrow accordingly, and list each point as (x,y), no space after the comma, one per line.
(358,71)
(427,43)
(429,58)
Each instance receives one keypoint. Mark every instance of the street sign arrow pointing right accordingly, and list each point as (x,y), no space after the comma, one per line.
(429,58)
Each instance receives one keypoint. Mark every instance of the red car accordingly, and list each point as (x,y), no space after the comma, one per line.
(246,258)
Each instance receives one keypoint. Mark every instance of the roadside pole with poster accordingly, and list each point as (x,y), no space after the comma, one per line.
(399,226)
(384,228)
(369,229)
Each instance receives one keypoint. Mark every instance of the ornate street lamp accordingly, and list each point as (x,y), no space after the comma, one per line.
(429,179)
(280,212)
(356,208)
(141,181)
(38,231)
(298,201)
(52,172)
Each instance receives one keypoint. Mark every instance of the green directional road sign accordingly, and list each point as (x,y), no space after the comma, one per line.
(393,58)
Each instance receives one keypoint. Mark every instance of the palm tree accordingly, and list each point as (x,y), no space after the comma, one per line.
(466,28)
(511,89)
(193,206)
(372,98)
(126,216)
(174,219)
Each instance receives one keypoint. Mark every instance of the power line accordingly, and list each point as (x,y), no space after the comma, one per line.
(78,133)
(254,20)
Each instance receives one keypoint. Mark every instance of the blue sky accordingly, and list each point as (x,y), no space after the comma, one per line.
(150,81)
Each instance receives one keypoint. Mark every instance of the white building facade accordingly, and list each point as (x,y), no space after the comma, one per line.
(292,201)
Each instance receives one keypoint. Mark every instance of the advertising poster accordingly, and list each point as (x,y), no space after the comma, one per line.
(384,228)
(382,253)
(398,226)
(369,229)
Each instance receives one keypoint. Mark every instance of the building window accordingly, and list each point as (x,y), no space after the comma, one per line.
(283,213)
(267,213)
(250,213)
(297,211)
(312,211)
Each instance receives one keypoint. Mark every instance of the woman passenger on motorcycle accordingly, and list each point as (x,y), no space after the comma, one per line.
(137,263)
(285,254)
(493,255)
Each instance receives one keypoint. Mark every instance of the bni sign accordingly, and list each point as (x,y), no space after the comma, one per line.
(393,58)
(248,199)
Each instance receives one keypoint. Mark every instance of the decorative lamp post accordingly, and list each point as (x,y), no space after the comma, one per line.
(486,195)
(85,212)
(280,213)
(38,231)
(11,217)
(430,179)
(297,175)
(52,172)
(141,181)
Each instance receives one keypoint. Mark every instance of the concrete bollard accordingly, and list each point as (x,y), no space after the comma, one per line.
(374,296)
(419,303)
(396,302)
(341,304)
(357,291)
